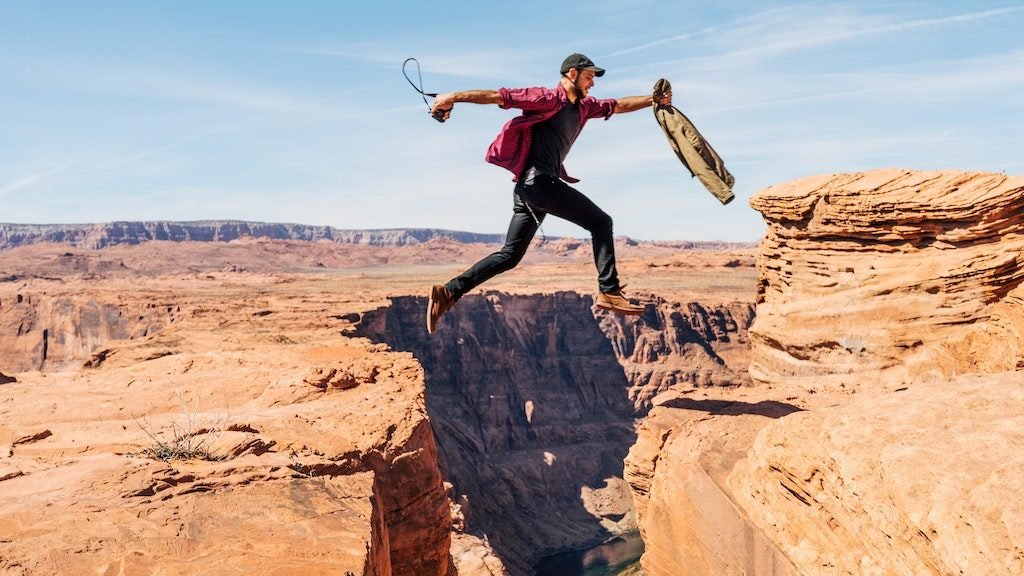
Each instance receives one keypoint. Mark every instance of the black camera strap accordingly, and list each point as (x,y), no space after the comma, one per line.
(440,115)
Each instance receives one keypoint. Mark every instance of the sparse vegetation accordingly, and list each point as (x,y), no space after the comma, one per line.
(188,440)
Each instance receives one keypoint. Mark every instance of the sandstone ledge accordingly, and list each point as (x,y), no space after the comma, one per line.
(886,269)
(317,475)
(882,433)
(924,480)
(921,481)
(689,519)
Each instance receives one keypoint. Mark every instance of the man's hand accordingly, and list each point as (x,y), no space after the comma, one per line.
(662,95)
(442,107)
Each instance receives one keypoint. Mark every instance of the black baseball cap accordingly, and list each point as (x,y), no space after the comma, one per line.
(580,62)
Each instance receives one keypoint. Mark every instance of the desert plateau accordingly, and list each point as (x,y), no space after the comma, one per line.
(843,397)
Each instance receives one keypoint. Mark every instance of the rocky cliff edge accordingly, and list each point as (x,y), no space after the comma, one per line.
(246,436)
(882,433)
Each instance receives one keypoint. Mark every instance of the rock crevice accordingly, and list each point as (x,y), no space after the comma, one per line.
(533,401)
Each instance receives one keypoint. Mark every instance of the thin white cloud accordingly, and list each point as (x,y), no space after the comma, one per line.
(803,99)
(194,84)
(313,110)
(360,52)
(492,64)
(222,91)
(670,39)
(946,79)
(763,38)
(825,37)
(941,81)
(31,179)
(855,147)
(745,26)
(162,148)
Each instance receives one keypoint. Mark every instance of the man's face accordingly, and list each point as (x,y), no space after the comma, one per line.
(585,81)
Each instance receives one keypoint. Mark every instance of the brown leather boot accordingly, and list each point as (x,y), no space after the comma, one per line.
(441,300)
(616,302)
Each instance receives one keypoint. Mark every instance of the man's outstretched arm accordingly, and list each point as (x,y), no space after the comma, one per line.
(446,101)
(634,103)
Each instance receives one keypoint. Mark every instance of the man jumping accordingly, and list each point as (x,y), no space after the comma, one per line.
(533,147)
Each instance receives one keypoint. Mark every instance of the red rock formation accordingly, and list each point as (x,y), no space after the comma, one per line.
(925,480)
(326,438)
(677,469)
(882,269)
(533,404)
(57,330)
(314,475)
(854,452)
(681,345)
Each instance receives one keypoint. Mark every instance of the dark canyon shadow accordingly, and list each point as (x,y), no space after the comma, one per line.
(529,408)
(766,408)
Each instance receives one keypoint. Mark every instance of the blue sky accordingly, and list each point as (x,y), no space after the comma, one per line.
(298,112)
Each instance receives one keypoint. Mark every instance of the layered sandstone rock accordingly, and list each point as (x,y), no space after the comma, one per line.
(533,403)
(324,435)
(855,452)
(531,414)
(681,345)
(926,480)
(883,483)
(685,449)
(324,460)
(883,269)
(40,330)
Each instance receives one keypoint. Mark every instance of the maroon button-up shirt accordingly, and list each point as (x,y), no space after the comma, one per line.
(511,148)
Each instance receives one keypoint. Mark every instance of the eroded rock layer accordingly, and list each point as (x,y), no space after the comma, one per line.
(43,331)
(881,269)
(325,457)
(925,480)
(301,451)
(881,433)
(533,402)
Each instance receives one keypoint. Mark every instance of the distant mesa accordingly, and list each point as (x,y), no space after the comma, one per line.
(94,236)
(103,235)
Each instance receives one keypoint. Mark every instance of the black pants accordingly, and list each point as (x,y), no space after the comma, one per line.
(546,195)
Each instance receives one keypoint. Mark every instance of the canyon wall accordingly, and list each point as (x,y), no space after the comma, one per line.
(43,331)
(878,431)
(525,405)
(880,434)
(302,451)
(91,322)
(923,479)
(533,404)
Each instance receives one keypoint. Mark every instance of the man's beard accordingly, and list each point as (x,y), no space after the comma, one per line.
(580,93)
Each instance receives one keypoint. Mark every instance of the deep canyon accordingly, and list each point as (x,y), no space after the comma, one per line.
(813,405)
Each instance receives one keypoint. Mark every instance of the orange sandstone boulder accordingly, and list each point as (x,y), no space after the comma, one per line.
(887,269)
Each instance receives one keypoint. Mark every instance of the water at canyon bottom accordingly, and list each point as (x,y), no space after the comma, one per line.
(618,557)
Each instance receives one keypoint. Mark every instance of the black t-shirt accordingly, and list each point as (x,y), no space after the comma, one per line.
(552,139)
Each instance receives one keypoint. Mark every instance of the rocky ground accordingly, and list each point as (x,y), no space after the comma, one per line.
(877,430)
(309,448)
(881,433)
